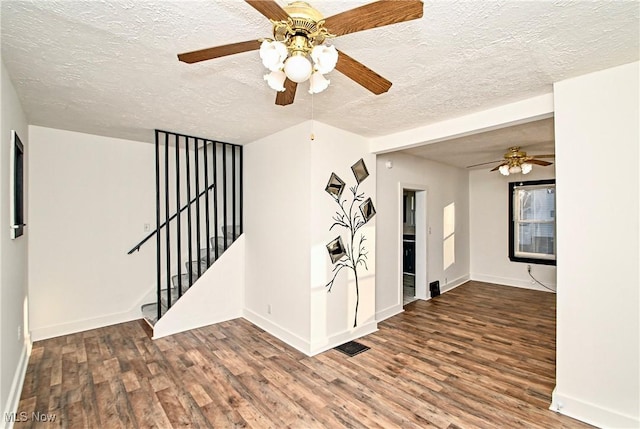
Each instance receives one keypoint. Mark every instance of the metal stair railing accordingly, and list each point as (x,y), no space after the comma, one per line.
(204,159)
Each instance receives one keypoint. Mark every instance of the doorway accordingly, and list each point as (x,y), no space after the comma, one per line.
(413,233)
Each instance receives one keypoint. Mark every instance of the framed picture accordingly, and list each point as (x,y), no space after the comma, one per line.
(360,170)
(367,210)
(336,249)
(335,186)
(16,186)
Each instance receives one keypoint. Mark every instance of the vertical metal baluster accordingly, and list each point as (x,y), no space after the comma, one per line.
(224,194)
(241,192)
(233,192)
(167,216)
(158,240)
(215,198)
(178,229)
(206,202)
(190,271)
(197,206)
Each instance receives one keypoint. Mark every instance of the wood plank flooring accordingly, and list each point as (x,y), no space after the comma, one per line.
(478,356)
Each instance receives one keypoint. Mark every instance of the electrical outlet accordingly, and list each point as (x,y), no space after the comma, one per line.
(446,281)
(268,308)
(19,333)
(147,227)
(528,268)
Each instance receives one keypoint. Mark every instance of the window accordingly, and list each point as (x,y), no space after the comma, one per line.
(532,222)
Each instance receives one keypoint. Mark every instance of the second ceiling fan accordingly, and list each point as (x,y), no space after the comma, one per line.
(299,32)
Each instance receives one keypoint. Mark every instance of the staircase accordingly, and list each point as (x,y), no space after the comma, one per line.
(198,188)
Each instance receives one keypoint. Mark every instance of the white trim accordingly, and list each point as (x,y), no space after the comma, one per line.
(13,399)
(507,281)
(278,331)
(85,324)
(507,115)
(389,312)
(453,284)
(591,413)
(343,337)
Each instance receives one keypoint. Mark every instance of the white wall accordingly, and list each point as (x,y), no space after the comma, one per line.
(89,199)
(489,227)
(444,185)
(287,220)
(598,329)
(14,340)
(333,314)
(276,211)
(218,295)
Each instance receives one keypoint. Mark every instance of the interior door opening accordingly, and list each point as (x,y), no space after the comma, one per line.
(414,244)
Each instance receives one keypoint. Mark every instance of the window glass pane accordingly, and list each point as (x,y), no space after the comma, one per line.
(537,204)
(536,238)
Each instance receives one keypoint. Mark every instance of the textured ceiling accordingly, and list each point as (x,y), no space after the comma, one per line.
(110,68)
(535,138)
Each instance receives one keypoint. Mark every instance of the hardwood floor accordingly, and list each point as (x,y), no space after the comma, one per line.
(478,356)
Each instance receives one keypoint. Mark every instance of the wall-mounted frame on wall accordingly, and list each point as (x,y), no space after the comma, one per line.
(16,186)
(367,210)
(335,186)
(336,249)
(360,170)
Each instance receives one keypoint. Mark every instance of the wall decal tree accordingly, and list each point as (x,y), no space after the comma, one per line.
(353,254)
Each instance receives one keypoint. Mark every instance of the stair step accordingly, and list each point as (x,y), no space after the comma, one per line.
(150,311)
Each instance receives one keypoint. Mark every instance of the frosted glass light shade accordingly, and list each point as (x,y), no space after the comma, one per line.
(276,79)
(273,54)
(324,58)
(504,170)
(515,169)
(317,83)
(297,68)
(526,168)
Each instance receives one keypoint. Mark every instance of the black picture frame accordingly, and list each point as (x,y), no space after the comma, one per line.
(17,186)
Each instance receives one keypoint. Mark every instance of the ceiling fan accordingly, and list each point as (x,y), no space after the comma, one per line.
(516,161)
(300,32)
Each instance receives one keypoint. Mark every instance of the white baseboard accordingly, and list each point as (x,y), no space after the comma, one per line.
(13,399)
(591,413)
(454,284)
(389,312)
(524,284)
(84,325)
(343,337)
(278,331)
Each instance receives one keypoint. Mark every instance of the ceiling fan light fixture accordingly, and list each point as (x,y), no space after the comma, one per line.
(324,58)
(317,83)
(276,79)
(526,168)
(273,54)
(514,169)
(504,170)
(297,67)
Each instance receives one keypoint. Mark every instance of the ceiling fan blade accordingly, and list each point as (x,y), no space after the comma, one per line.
(361,74)
(218,51)
(549,155)
(286,97)
(497,167)
(483,163)
(270,9)
(539,162)
(372,15)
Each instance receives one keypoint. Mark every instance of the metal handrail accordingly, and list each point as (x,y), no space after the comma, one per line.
(151,234)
